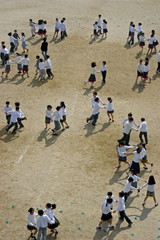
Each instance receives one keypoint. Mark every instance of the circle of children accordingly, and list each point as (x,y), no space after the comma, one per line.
(15,118)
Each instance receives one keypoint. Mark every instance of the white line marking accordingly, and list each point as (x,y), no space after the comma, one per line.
(22,155)
(74,104)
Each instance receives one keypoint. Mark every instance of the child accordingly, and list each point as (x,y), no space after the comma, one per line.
(25,63)
(155,42)
(129,34)
(94,97)
(42,224)
(48,66)
(63,29)
(15,114)
(132,30)
(37,64)
(100,24)
(145,73)
(122,157)
(139,30)
(4,54)
(143,156)
(142,39)
(140,67)
(32,222)
(92,77)
(150,45)
(105,30)
(135,162)
(49,115)
(57,28)
(63,115)
(7,108)
(50,213)
(42,69)
(103,72)
(16,42)
(18,59)
(21,117)
(57,117)
(106,214)
(150,191)
(95,112)
(44,47)
(12,44)
(133,175)
(128,187)
(143,131)
(121,209)
(158,63)
(110,196)
(33,27)
(24,44)
(95,28)
(8,67)
(110,109)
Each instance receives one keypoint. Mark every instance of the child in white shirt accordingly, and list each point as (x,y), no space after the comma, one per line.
(103,72)
(110,110)
(49,115)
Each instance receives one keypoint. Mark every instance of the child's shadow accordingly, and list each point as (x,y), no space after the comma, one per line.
(138,86)
(139,54)
(90,128)
(35,42)
(117,174)
(36,82)
(92,40)
(127,45)
(155,76)
(145,213)
(104,126)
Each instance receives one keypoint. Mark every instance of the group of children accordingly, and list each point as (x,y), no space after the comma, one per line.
(100,27)
(44,221)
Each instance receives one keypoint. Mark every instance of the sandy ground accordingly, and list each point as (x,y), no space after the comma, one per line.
(77,168)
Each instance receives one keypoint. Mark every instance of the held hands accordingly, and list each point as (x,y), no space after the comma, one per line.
(139,190)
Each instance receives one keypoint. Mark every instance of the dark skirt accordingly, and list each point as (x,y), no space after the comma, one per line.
(64,119)
(25,68)
(105,30)
(92,78)
(122,158)
(8,68)
(95,32)
(40,32)
(110,111)
(47,119)
(150,194)
(139,74)
(19,66)
(144,159)
(31,227)
(135,166)
(106,217)
(54,225)
(145,75)
(141,44)
(150,46)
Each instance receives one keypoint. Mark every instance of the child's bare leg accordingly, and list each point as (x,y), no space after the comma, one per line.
(109,116)
(112,117)
(145,200)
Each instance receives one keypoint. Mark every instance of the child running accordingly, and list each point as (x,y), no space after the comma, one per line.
(143,157)
(110,110)
(57,28)
(37,64)
(142,39)
(7,108)
(42,69)
(150,191)
(50,213)
(63,115)
(49,116)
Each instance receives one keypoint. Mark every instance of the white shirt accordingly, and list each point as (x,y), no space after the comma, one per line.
(49,213)
(25,61)
(63,111)
(136,157)
(158,58)
(14,115)
(48,64)
(93,102)
(43,221)
(132,29)
(57,25)
(150,187)
(96,108)
(41,65)
(121,204)
(122,150)
(104,25)
(57,116)
(109,106)
(41,26)
(94,71)
(100,22)
(12,39)
(32,219)
(128,127)
(128,187)
(8,62)
(139,29)
(146,68)
(142,38)
(105,209)
(126,120)
(143,127)
(143,153)
(110,204)
(18,59)
(4,51)
(140,67)
(21,114)
(135,178)
(62,27)
(151,40)
(103,68)
(49,113)
(7,109)
(95,26)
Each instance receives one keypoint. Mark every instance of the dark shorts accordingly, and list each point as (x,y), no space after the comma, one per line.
(40,32)
(8,68)
(139,74)
(105,30)
(92,78)
(135,166)
(56,30)
(95,32)
(144,159)
(64,119)
(142,44)
(122,159)
(145,75)
(19,66)
(25,68)
(106,217)
(31,227)
(150,46)
(57,125)
(47,119)
(110,111)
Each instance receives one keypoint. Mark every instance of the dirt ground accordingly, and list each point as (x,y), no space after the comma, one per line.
(76,169)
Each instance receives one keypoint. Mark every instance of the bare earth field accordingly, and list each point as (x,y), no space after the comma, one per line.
(76,169)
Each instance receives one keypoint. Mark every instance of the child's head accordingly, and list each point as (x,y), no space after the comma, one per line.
(15,31)
(140,61)
(146,63)
(104,21)
(109,99)
(96,23)
(99,15)
(62,104)
(48,205)
(139,24)
(96,99)
(130,179)
(22,34)
(17,104)
(131,23)
(94,94)
(139,150)
(30,20)
(47,56)
(153,31)
(104,62)
(2,42)
(37,57)
(121,144)
(31,210)
(41,60)
(129,115)
(58,108)
(132,171)
(40,212)
(121,194)
(151,180)
(131,119)
(3,46)
(17,108)
(142,119)
(26,55)
(44,39)
(57,19)
(109,194)
(93,64)
(49,107)
(7,103)
(109,200)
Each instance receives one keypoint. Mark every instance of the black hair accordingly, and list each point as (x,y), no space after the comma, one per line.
(17,108)
(62,104)
(99,15)
(104,21)
(130,114)
(131,119)
(121,194)
(151,180)
(142,119)
(37,56)
(144,145)
(139,24)
(133,171)
(130,179)
(26,55)
(40,212)
(109,200)
(139,150)
(133,25)
(30,20)
(54,206)
(96,99)
(93,64)
(95,23)
(146,63)
(3,46)
(41,60)
(49,106)
(153,31)
(109,193)
(95,93)
(2,42)
(50,205)
(58,108)
(23,34)
(121,143)
(45,22)
(30,210)
(109,99)
(17,104)
(7,102)
(62,21)
(152,35)
(104,62)
(47,56)
(15,30)
(9,34)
